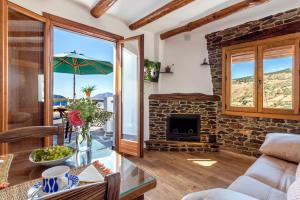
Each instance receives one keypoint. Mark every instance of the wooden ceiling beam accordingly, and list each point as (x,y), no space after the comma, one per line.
(101,7)
(166,9)
(212,17)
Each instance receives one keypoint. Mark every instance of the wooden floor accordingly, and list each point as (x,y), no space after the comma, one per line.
(179,173)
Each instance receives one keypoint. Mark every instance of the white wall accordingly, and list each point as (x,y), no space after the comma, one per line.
(186,52)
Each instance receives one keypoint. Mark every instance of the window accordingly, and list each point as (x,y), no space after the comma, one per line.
(278,64)
(262,78)
(242,64)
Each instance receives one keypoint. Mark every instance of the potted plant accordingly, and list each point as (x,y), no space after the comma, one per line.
(88,90)
(82,114)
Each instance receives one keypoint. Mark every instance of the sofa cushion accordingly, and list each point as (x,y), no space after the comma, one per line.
(256,189)
(274,172)
(217,194)
(298,172)
(283,146)
(294,191)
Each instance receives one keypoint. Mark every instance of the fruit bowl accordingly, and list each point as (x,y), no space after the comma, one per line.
(49,160)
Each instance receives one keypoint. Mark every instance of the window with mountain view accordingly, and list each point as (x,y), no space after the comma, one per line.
(278,77)
(262,77)
(242,79)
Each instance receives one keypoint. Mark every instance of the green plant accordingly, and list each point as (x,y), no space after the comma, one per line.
(89,113)
(88,89)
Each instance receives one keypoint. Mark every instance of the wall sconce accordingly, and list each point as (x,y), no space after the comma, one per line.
(205,63)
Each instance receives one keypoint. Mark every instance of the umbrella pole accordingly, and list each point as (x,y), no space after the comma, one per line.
(74,83)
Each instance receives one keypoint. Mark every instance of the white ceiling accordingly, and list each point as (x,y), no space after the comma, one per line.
(131,10)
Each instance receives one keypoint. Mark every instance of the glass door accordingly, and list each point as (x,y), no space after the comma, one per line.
(130,132)
(24,69)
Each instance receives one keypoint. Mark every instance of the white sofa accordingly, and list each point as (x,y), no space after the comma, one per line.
(269,178)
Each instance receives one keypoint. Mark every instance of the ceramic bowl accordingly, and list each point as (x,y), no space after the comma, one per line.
(50,163)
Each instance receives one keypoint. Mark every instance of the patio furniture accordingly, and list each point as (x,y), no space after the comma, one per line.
(63,114)
(20,139)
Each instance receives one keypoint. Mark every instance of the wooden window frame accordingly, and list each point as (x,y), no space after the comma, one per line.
(259,111)
(261,49)
(228,81)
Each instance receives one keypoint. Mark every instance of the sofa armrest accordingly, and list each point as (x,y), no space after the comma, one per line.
(217,194)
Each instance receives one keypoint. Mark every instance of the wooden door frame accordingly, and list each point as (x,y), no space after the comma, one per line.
(60,22)
(119,142)
(3,71)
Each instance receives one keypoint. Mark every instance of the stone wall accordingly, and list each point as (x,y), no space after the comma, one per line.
(161,106)
(246,134)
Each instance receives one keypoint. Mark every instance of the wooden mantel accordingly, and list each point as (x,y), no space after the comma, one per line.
(185,96)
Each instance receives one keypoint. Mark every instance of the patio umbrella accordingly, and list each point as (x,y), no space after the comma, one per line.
(74,63)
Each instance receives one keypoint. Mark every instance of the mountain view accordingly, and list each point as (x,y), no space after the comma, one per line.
(102,96)
(277,90)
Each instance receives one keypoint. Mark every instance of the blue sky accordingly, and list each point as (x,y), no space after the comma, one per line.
(65,41)
(243,69)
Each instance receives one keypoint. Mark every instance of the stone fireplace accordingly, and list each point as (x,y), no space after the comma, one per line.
(183,127)
(183,122)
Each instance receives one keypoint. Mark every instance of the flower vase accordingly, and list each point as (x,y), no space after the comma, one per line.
(83,138)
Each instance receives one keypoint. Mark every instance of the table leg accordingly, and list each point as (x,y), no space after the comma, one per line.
(67,129)
(70,134)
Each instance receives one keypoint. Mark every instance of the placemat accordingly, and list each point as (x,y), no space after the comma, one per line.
(4,167)
(19,191)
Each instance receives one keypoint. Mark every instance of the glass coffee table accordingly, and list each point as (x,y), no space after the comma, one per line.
(134,181)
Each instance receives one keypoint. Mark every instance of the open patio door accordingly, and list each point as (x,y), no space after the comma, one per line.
(129,91)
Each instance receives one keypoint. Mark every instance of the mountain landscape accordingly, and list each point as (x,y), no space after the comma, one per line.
(277,90)
(102,96)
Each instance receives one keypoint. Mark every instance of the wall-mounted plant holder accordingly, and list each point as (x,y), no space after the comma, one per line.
(205,63)
(168,69)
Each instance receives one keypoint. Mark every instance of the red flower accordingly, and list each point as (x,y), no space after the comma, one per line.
(107,171)
(74,118)
(98,164)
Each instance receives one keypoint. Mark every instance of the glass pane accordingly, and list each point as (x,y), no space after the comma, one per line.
(130,104)
(26,71)
(278,79)
(96,58)
(242,79)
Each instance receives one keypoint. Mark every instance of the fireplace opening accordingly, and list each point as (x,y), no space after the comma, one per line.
(183,128)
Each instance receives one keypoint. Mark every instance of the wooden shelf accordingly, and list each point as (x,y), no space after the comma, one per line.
(166,72)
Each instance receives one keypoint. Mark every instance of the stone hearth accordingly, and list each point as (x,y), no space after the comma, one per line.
(163,106)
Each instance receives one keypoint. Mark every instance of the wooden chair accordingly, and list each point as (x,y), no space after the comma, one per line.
(28,138)
(108,190)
